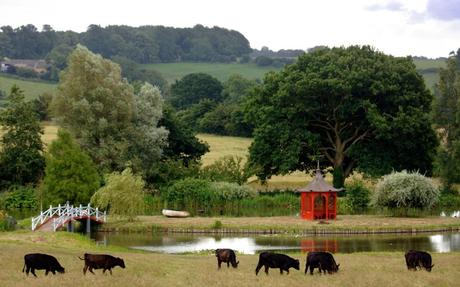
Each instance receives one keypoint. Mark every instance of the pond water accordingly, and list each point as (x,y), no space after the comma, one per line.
(184,243)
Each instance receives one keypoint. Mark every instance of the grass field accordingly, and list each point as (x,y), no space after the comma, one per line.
(422,64)
(32,89)
(175,71)
(290,224)
(153,269)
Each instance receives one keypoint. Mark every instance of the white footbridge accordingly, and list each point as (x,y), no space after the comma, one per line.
(57,217)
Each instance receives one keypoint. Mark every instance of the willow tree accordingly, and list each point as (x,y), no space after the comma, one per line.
(98,106)
(122,194)
(351,107)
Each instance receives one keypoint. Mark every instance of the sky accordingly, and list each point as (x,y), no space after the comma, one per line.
(428,28)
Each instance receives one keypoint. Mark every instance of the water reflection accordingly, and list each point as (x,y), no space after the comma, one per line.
(183,243)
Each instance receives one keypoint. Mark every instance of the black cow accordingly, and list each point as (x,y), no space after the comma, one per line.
(41,261)
(324,261)
(274,260)
(101,261)
(227,256)
(415,258)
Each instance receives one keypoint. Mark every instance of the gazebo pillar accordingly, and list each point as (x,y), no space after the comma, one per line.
(327,206)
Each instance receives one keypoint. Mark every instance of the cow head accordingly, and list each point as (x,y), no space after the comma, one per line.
(60,269)
(235,265)
(337,267)
(296,264)
(121,263)
(429,268)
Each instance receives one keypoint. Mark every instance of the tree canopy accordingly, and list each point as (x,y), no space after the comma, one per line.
(100,109)
(70,175)
(21,158)
(447,119)
(349,107)
(194,88)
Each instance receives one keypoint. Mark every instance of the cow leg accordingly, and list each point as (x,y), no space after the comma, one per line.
(91,270)
(33,272)
(84,269)
(103,271)
(257,268)
(218,263)
(27,270)
(110,269)
(311,270)
(53,271)
(266,269)
(228,264)
(46,272)
(281,271)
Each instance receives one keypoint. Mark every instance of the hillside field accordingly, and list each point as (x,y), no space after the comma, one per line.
(175,71)
(32,89)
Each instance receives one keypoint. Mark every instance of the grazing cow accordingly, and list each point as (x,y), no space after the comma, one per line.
(324,261)
(101,261)
(274,260)
(419,259)
(40,261)
(228,256)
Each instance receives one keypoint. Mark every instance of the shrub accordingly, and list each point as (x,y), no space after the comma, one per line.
(405,190)
(19,197)
(6,222)
(357,196)
(228,168)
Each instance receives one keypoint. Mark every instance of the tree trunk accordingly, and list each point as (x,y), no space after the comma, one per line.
(338,180)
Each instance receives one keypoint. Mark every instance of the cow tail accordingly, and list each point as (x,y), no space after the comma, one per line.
(23,268)
(80,258)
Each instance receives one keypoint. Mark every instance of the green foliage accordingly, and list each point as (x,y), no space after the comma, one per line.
(19,197)
(21,160)
(228,168)
(356,107)
(70,175)
(358,196)
(146,138)
(169,170)
(217,224)
(194,88)
(447,118)
(7,222)
(199,196)
(98,106)
(182,143)
(42,106)
(121,195)
(405,190)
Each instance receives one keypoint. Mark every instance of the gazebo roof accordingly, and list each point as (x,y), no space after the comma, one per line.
(319,185)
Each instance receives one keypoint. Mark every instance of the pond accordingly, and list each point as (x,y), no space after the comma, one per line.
(185,243)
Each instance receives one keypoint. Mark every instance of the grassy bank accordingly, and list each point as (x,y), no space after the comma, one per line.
(287,224)
(151,269)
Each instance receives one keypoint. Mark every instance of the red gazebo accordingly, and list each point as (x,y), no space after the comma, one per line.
(318,200)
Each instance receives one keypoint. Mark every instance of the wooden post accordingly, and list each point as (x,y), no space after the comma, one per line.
(59,209)
(327,206)
(88,225)
(97,213)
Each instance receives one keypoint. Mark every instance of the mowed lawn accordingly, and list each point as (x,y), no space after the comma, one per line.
(154,269)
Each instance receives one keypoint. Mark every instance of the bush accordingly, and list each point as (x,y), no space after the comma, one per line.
(357,196)
(405,190)
(19,197)
(6,222)
(228,168)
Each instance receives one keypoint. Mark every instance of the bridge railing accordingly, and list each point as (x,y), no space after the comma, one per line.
(65,213)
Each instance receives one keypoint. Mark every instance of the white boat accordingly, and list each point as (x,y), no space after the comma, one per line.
(175,213)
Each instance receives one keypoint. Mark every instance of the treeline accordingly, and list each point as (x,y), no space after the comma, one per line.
(145,44)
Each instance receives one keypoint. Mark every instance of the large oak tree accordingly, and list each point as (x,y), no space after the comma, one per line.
(351,107)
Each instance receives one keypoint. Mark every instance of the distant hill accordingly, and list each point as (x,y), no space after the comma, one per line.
(429,69)
(222,71)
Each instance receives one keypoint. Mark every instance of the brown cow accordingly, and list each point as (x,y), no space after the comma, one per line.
(228,256)
(101,261)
